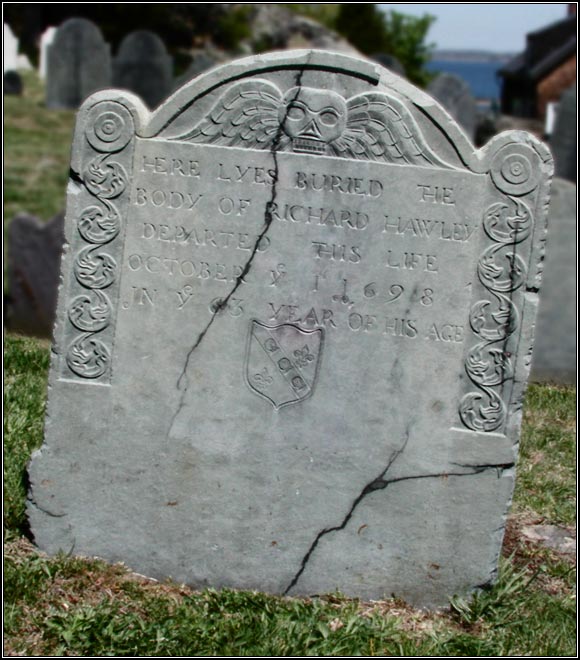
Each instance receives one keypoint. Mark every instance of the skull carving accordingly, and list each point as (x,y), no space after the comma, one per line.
(312,118)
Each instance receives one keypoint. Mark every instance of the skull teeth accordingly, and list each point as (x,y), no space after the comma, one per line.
(306,145)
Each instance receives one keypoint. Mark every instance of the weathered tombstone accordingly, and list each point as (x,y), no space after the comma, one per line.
(554,356)
(10,50)
(390,62)
(564,140)
(34,250)
(45,41)
(143,67)
(293,335)
(12,83)
(455,96)
(79,63)
(201,62)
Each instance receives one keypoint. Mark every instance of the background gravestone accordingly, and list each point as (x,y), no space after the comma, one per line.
(12,83)
(564,138)
(34,251)
(455,96)
(10,50)
(46,40)
(293,335)
(79,63)
(390,62)
(201,62)
(555,348)
(143,67)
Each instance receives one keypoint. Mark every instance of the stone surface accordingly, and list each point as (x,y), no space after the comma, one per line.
(12,83)
(293,335)
(78,64)
(564,139)
(143,66)
(10,50)
(560,539)
(34,250)
(555,347)
(46,40)
(455,96)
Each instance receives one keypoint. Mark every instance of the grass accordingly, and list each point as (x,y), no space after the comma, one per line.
(80,607)
(37,153)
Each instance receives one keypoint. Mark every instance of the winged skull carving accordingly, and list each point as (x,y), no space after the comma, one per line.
(370,126)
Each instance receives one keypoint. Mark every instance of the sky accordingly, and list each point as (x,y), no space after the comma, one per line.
(497,27)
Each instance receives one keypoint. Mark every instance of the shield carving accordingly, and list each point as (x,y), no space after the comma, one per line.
(282,362)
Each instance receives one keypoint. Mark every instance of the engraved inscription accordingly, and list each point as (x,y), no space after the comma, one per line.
(282,362)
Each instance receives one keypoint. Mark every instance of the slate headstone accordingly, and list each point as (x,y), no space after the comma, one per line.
(455,96)
(78,64)
(10,46)
(34,250)
(293,335)
(143,67)
(45,41)
(564,139)
(390,62)
(555,347)
(12,83)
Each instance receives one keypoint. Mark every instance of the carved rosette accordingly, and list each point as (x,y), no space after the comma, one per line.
(502,271)
(97,242)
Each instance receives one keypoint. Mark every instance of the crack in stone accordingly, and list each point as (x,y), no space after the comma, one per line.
(380,483)
(268,218)
(373,485)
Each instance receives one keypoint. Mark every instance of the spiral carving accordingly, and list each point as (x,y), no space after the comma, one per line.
(110,126)
(99,225)
(515,169)
(90,312)
(105,179)
(94,270)
(88,357)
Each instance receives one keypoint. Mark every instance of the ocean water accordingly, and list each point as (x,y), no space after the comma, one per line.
(480,76)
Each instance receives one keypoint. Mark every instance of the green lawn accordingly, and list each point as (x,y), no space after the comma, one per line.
(78,607)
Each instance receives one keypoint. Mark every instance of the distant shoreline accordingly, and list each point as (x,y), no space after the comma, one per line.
(470,56)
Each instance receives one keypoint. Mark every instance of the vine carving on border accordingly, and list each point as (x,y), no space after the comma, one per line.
(502,272)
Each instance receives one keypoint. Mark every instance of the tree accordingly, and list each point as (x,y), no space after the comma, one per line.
(373,31)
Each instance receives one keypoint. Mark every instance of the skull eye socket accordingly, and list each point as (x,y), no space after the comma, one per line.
(295,112)
(329,117)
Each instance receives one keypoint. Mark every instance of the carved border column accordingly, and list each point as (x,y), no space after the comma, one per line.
(502,272)
(97,244)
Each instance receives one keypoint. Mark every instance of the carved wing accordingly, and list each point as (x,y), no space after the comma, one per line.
(379,127)
(246,114)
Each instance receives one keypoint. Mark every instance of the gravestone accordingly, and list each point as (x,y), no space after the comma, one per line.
(143,67)
(293,335)
(455,96)
(45,41)
(33,252)
(10,50)
(555,348)
(390,62)
(564,140)
(201,62)
(78,64)
(12,83)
